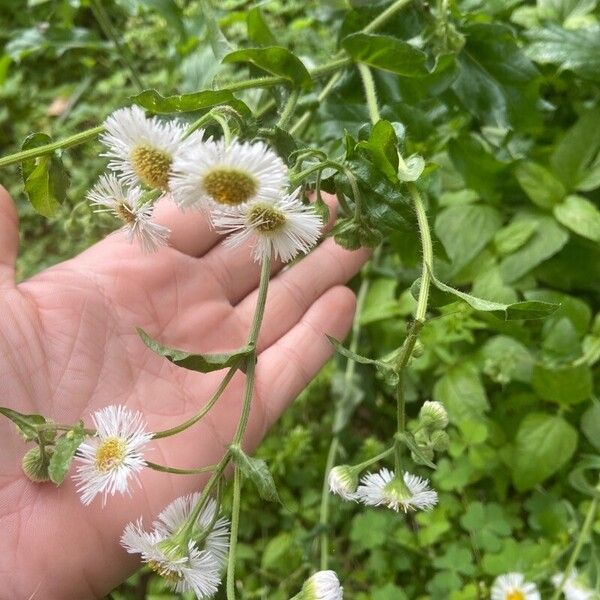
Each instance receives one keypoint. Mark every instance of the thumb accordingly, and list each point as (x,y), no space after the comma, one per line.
(9,237)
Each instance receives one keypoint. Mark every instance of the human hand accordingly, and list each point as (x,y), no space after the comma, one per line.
(68,347)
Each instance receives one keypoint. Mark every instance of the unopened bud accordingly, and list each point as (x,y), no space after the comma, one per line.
(433,415)
(343,481)
(440,441)
(35,465)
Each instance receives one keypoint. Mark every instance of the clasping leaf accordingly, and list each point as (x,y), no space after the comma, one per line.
(257,470)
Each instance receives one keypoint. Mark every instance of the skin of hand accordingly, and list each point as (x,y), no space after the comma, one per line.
(68,347)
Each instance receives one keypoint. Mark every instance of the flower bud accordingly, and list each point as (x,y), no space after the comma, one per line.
(433,415)
(343,481)
(323,585)
(419,349)
(35,466)
(440,441)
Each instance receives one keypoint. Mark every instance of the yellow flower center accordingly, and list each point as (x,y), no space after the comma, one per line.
(266,218)
(152,165)
(164,572)
(110,454)
(516,595)
(229,186)
(125,213)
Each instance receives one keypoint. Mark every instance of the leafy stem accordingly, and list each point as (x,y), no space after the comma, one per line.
(370,92)
(288,109)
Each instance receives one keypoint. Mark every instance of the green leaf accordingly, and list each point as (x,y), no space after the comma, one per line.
(258,30)
(544,443)
(514,235)
(580,216)
(579,480)
(218,42)
(575,153)
(64,451)
(275,60)
(565,385)
(527,309)
(257,471)
(277,549)
(408,440)
(387,53)
(382,147)
(590,424)
(465,230)
(203,363)
(487,524)
(27,424)
(496,82)
(44,177)
(577,50)
(154,102)
(547,240)
(542,187)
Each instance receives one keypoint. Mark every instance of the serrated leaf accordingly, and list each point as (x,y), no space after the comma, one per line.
(27,424)
(257,471)
(203,363)
(154,102)
(275,60)
(64,451)
(44,177)
(387,53)
(382,147)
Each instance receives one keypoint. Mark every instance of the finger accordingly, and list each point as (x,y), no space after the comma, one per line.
(191,232)
(285,368)
(238,272)
(9,237)
(293,291)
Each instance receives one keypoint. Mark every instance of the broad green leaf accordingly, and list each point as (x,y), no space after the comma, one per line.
(275,60)
(506,359)
(44,177)
(257,471)
(590,424)
(381,302)
(542,187)
(370,529)
(258,30)
(64,451)
(514,235)
(387,53)
(548,239)
(579,215)
(154,102)
(27,424)
(565,385)
(460,390)
(544,443)
(575,153)
(526,309)
(496,82)
(203,363)
(382,147)
(487,524)
(277,549)
(465,230)
(576,50)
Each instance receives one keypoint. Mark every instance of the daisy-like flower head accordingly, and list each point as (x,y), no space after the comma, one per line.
(573,588)
(343,481)
(112,457)
(191,564)
(512,586)
(127,205)
(323,585)
(142,150)
(407,493)
(283,228)
(226,175)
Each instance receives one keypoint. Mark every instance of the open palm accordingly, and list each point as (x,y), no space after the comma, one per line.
(68,347)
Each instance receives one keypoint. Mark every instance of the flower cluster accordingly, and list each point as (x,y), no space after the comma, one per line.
(242,187)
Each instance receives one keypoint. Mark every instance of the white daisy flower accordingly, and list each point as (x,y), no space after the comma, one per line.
(127,205)
(343,481)
(194,564)
(323,585)
(512,586)
(384,488)
(574,588)
(142,150)
(216,174)
(114,455)
(283,228)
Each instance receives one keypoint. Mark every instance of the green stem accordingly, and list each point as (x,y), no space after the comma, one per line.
(335,440)
(583,535)
(367,463)
(165,469)
(235,522)
(385,16)
(109,30)
(191,421)
(427,252)
(288,109)
(370,92)
(222,121)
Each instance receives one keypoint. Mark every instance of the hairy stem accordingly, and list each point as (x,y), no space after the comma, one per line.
(379,21)
(288,109)
(235,522)
(370,92)
(165,469)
